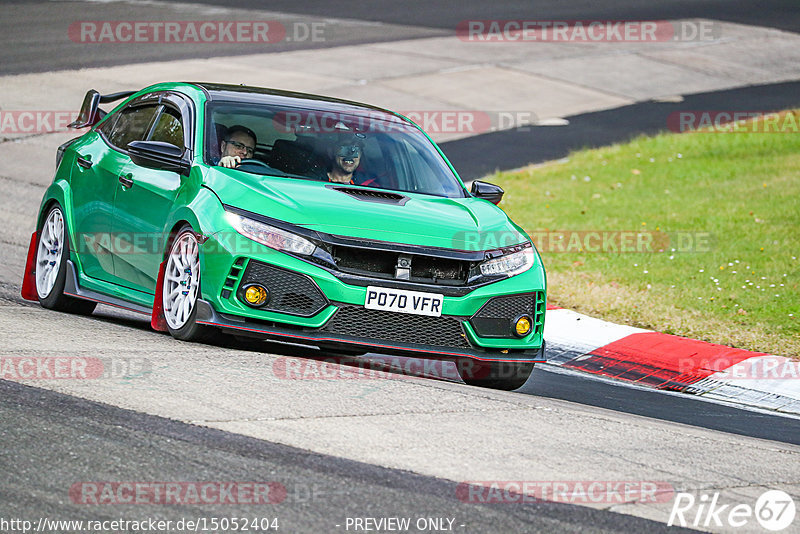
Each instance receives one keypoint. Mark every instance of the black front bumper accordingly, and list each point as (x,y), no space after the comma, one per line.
(335,334)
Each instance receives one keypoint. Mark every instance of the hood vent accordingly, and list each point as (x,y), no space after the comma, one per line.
(373,195)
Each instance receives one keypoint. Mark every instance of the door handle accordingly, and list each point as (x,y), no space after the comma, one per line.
(126,180)
(86,163)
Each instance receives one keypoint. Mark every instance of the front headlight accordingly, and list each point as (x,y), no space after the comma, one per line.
(270,236)
(510,264)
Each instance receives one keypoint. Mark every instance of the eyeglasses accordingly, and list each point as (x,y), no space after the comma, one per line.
(248,150)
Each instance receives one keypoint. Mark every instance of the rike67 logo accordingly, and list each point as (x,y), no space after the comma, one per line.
(774,510)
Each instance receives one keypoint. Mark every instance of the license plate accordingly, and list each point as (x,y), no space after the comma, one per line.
(402,301)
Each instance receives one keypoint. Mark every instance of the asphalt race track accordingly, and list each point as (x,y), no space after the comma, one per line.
(393,446)
(37,25)
(518,147)
(77,438)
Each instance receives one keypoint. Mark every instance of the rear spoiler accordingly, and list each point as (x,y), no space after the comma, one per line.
(91,113)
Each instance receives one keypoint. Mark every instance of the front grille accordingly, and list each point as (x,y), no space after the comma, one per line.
(403,328)
(365,261)
(496,317)
(381,263)
(289,292)
(438,268)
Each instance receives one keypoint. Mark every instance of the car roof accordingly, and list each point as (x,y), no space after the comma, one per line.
(262,95)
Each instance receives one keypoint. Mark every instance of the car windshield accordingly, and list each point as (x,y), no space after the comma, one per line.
(364,147)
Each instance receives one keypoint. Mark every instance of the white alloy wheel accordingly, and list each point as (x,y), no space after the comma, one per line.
(181,280)
(50,252)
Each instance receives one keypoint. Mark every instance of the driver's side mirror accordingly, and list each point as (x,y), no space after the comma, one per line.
(159,155)
(485,190)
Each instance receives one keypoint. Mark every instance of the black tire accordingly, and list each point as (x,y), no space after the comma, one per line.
(55,299)
(506,376)
(190,330)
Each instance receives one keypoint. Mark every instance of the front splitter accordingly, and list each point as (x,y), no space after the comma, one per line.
(207,315)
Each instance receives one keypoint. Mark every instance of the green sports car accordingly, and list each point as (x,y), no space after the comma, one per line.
(291,217)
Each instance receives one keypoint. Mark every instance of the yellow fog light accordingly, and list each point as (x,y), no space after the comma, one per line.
(256,295)
(522,327)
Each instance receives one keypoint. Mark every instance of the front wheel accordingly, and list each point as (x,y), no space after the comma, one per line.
(181,288)
(52,253)
(494,375)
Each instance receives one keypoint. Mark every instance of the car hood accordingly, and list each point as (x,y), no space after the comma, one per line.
(453,223)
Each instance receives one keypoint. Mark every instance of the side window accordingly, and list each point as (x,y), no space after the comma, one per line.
(169,128)
(132,125)
(108,126)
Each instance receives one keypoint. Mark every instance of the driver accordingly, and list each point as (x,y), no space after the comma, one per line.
(239,144)
(345,157)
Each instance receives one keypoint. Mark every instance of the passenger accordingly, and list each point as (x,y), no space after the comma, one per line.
(239,144)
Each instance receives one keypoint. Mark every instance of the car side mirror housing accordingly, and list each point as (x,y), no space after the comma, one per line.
(159,155)
(485,190)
